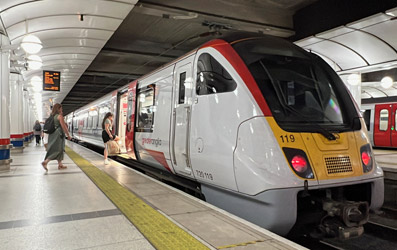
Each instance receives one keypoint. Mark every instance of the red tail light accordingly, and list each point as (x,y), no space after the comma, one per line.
(299,163)
(366,158)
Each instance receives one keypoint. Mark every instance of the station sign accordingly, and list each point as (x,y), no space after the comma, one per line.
(51,80)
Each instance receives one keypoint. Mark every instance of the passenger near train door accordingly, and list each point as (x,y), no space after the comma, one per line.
(122,120)
(181,117)
(385,134)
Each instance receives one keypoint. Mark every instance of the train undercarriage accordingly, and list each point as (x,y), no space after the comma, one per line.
(333,212)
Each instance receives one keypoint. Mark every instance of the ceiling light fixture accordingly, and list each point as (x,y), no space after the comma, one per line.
(34,62)
(386,82)
(37,83)
(354,79)
(31,44)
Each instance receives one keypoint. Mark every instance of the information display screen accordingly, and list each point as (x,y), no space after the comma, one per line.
(51,80)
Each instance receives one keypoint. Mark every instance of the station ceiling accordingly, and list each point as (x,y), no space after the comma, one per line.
(101,45)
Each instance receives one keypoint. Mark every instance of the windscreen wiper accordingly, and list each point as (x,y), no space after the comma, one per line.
(322,131)
(281,99)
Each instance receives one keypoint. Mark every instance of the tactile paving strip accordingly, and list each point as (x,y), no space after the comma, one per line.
(158,230)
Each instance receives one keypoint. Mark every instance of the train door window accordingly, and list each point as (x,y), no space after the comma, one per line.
(182,78)
(367,117)
(146,109)
(384,120)
(212,77)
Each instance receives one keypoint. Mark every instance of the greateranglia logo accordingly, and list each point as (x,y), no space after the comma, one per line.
(156,142)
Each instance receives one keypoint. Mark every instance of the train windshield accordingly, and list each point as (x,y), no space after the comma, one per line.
(300,88)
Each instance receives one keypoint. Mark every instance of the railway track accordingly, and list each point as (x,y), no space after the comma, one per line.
(376,236)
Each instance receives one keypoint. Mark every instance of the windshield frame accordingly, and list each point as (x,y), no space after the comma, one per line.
(278,47)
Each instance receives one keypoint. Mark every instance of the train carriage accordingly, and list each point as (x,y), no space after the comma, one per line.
(267,130)
(381,120)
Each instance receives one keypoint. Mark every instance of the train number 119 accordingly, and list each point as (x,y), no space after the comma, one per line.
(286,138)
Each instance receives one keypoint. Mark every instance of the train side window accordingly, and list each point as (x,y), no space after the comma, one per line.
(212,77)
(129,110)
(384,120)
(367,118)
(146,109)
(95,121)
(182,78)
(76,122)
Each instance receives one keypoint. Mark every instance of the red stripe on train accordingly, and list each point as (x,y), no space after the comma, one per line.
(160,157)
(238,64)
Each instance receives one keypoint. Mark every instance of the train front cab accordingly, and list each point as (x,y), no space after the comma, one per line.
(206,118)
(315,150)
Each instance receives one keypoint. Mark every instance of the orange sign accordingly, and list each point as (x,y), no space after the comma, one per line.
(51,80)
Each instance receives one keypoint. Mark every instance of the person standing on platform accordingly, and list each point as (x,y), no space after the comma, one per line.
(37,132)
(107,133)
(56,140)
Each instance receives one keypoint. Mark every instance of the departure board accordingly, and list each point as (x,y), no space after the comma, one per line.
(51,80)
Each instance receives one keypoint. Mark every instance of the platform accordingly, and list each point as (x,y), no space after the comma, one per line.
(387,159)
(64,209)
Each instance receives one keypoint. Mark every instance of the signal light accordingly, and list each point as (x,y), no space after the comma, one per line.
(366,158)
(299,164)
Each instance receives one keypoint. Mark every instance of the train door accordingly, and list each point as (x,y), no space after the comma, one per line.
(122,120)
(393,125)
(181,118)
(384,127)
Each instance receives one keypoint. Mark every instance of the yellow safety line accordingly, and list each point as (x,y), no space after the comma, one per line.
(160,231)
(240,244)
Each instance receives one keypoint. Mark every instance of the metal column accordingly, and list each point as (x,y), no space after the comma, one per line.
(26,122)
(16,112)
(5,144)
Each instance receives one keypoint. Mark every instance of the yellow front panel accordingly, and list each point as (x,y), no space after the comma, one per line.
(329,159)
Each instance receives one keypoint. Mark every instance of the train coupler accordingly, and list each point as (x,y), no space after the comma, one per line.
(344,219)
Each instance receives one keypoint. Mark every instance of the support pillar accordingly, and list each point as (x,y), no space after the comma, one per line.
(30,123)
(353,83)
(26,117)
(16,113)
(5,144)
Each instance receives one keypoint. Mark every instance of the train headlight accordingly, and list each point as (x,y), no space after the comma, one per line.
(366,158)
(299,163)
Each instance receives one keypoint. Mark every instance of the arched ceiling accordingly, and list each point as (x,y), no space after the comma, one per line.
(70,41)
(118,41)
(363,46)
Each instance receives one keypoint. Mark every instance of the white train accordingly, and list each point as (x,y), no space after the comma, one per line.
(265,129)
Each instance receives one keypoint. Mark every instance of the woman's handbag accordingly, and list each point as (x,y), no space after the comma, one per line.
(113,147)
